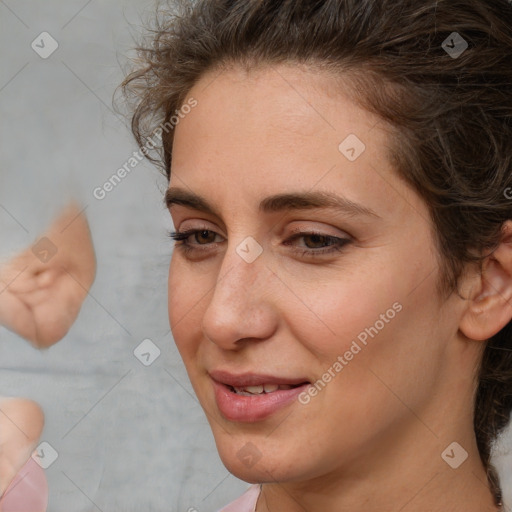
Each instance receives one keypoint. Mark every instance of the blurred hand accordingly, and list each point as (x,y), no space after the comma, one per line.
(42,288)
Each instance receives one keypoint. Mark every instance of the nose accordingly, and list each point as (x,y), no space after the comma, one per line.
(241,308)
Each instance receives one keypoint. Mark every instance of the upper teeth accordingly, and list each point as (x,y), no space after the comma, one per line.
(257,390)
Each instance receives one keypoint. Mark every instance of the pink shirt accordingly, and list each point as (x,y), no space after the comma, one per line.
(246,502)
(28,491)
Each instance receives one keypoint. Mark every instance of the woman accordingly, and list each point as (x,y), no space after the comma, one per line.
(340,291)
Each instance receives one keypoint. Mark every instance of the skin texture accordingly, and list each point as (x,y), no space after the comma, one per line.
(40,297)
(372,439)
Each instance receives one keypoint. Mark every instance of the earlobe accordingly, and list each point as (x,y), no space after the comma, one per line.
(490,307)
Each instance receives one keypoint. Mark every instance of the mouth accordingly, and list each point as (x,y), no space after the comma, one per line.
(254,397)
(261,389)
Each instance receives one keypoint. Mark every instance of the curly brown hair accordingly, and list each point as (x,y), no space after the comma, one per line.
(451,113)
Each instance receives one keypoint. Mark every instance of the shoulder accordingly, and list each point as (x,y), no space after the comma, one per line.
(246,502)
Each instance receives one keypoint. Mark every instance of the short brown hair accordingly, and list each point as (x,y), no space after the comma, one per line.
(451,114)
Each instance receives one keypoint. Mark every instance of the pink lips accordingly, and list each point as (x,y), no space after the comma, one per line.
(253,408)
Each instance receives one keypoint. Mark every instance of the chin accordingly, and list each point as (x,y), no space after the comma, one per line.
(259,473)
(243,459)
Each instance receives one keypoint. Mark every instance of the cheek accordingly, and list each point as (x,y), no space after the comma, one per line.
(333,314)
(380,321)
(391,344)
(183,306)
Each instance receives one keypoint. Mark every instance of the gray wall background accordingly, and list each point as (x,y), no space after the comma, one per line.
(129,438)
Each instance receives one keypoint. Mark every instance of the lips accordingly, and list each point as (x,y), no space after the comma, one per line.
(258,390)
(252,397)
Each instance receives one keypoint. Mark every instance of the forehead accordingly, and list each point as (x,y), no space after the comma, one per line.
(260,131)
(291,99)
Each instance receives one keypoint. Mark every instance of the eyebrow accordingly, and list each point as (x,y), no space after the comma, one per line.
(275,203)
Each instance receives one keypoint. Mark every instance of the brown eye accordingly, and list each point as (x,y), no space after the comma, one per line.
(205,236)
(317,244)
(193,237)
(314,244)
(318,241)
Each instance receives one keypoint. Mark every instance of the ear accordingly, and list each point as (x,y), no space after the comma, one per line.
(490,307)
(42,288)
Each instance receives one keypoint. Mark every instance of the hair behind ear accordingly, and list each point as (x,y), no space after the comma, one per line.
(493,401)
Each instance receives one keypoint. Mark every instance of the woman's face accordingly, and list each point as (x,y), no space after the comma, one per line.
(327,312)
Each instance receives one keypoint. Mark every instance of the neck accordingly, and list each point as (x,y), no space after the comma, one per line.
(435,492)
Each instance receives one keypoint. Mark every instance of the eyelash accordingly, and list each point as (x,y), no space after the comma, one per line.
(181,238)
